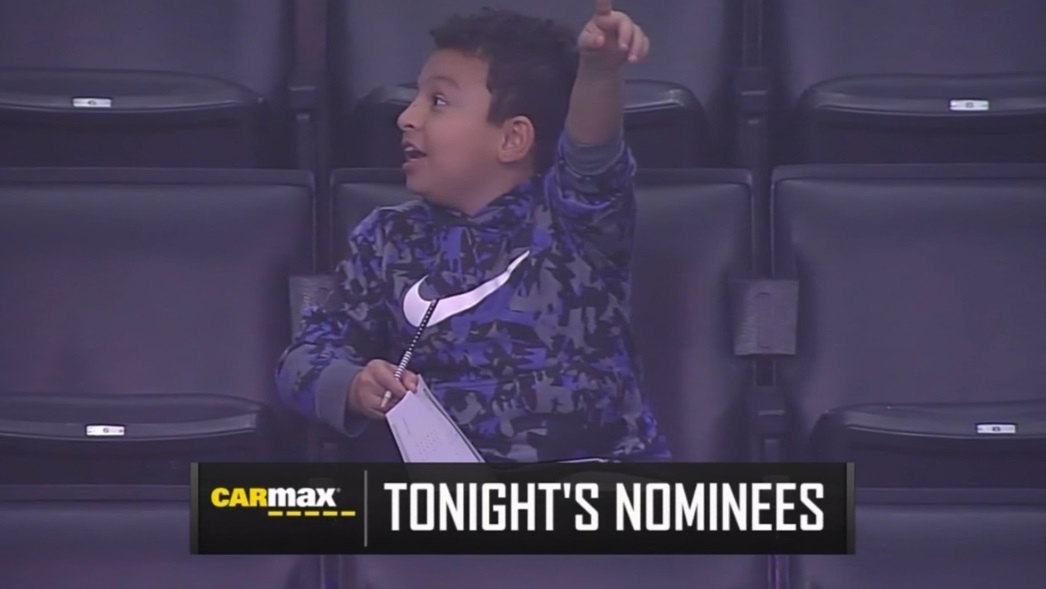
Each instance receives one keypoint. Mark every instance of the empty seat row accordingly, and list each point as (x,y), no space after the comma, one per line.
(155,300)
(906,81)
(147,83)
(975,90)
(916,284)
(152,297)
(118,85)
(919,293)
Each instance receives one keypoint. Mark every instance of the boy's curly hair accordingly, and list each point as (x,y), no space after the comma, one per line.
(532,64)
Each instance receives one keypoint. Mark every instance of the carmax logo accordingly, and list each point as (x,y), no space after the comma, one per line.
(285,502)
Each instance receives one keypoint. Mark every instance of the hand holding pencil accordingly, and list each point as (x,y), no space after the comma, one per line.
(378,387)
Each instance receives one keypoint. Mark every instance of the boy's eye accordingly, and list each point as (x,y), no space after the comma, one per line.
(438,100)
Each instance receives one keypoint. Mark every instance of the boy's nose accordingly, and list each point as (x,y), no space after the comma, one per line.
(408,118)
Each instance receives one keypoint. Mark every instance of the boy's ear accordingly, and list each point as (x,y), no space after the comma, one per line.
(517,139)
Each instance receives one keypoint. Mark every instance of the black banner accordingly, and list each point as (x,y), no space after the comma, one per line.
(330,508)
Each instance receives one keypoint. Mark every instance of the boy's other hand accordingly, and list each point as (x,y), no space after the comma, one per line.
(611,38)
(368,388)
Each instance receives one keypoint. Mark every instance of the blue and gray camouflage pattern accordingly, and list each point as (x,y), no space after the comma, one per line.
(544,368)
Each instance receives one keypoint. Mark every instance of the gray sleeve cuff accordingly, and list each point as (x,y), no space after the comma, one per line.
(590,160)
(332,395)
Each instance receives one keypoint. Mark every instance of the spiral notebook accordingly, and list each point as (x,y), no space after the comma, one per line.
(424,432)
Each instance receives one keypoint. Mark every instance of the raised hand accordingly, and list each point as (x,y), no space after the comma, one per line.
(611,38)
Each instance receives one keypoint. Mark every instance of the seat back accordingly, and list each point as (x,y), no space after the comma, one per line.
(696,44)
(958,81)
(147,283)
(692,237)
(919,285)
(248,42)
(146,83)
(810,41)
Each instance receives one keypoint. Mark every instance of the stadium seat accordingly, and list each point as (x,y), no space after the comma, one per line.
(676,100)
(899,81)
(127,545)
(146,83)
(695,225)
(912,546)
(922,323)
(152,300)
(693,236)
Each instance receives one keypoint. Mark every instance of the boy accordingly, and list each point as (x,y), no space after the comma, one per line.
(523,239)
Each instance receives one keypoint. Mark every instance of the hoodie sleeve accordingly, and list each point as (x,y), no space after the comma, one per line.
(593,196)
(338,337)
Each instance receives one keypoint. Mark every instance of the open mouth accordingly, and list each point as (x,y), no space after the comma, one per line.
(411,153)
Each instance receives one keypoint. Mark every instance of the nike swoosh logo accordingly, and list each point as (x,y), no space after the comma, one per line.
(414,306)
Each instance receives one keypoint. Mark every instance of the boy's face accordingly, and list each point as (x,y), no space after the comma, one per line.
(451,150)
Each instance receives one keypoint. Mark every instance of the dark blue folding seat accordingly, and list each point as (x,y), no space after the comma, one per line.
(143,313)
(922,322)
(693,238)
(908,80)
(921,356)
(146,83)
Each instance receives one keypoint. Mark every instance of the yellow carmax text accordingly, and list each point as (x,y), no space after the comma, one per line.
(300,502)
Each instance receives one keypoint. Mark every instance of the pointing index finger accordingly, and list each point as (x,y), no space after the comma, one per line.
(604,7)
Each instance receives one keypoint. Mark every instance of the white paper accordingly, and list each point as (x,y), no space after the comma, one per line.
(425,433)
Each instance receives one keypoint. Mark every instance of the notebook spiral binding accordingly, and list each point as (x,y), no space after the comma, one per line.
(414,341)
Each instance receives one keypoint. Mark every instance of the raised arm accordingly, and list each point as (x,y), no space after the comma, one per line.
(594,169)
(608,41)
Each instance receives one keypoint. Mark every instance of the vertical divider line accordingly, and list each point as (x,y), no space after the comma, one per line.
(366,511)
